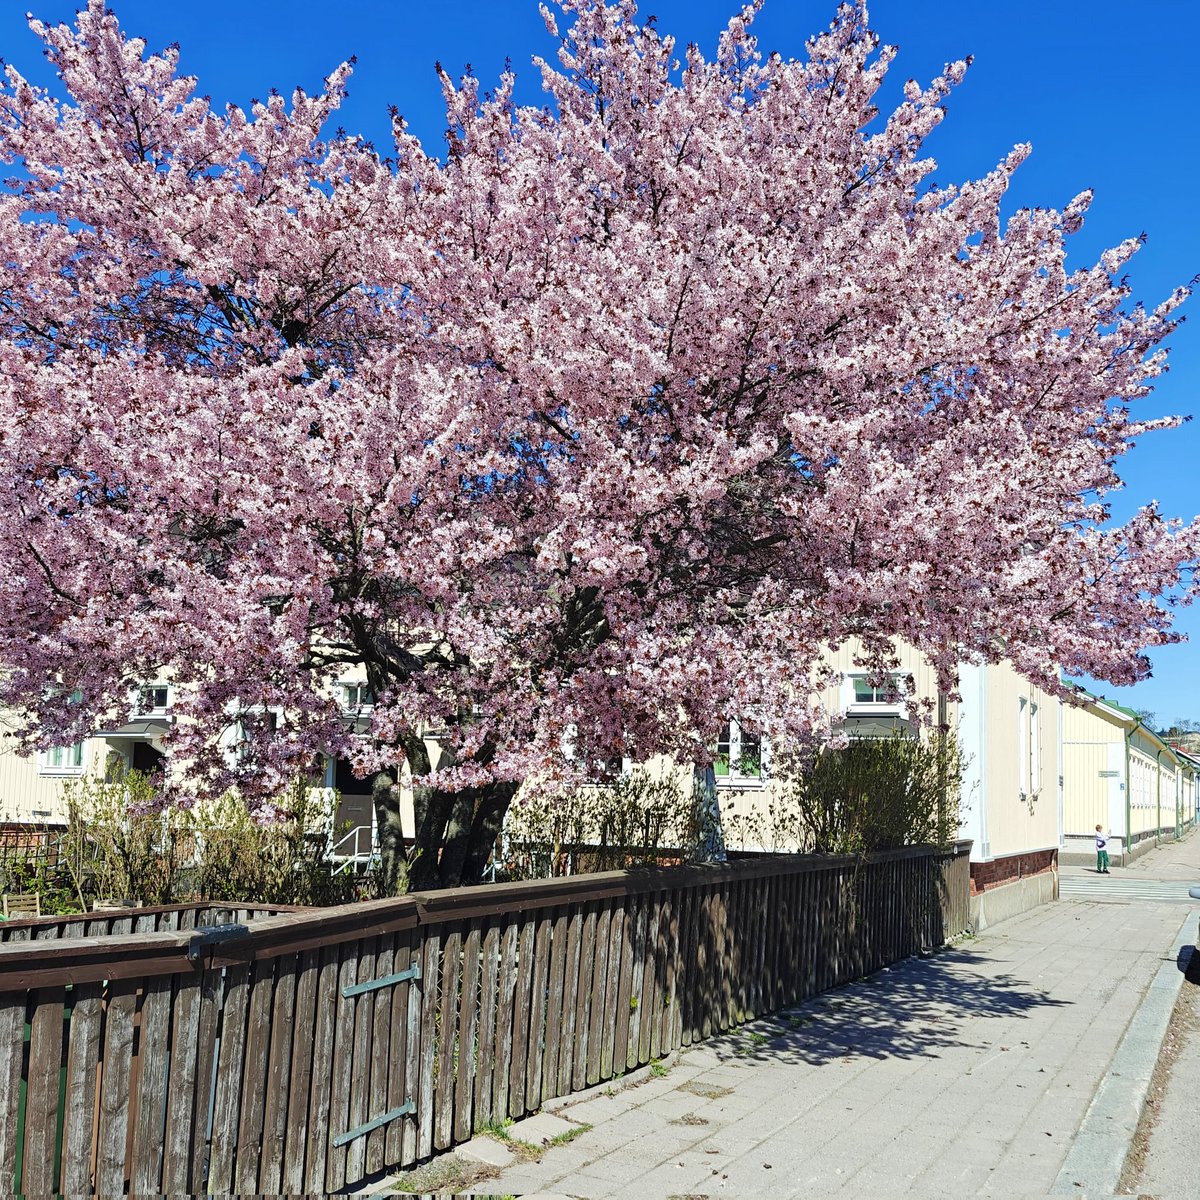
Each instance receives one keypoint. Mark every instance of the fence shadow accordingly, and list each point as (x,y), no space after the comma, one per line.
(913,1009)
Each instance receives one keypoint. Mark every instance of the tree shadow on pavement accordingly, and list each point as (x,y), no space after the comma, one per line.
(912,1009)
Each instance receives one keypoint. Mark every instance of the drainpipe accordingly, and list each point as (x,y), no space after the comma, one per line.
(1062,826)
(1158,795)
(1128,855)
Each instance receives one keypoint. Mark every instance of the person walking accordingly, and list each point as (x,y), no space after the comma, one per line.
(1102,850)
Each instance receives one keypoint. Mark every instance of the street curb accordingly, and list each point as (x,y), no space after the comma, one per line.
(1097,1156)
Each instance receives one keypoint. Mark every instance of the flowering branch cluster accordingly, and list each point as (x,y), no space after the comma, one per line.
(596,431)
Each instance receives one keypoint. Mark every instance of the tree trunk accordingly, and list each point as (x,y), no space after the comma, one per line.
(710,835)
(393,853)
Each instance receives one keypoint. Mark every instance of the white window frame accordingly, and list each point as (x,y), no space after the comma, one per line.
(141,709)
(875,708)
(1023,759)
(733,776)
(1035,749)
(351,687)
(76,750)
(234,739)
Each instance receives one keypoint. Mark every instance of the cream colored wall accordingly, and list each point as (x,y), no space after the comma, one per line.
(1093,770)
(1020,769)
(1152,783)
(29,794)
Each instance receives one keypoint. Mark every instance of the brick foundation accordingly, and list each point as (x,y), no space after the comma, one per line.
(1010,868)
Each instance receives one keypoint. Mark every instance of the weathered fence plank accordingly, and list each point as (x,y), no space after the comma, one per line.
(485,1069)
(468,1019)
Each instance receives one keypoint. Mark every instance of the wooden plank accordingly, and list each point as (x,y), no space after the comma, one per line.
(672,1027)
(324,1034)
(637,906)
(486,1067)
(415,1050)
(41,1090)
(790,934)
(181,1085)
(568,1042)
(628,932)
(612,986)
(466,1062)
(426,1097)
(743,894)
(520,1022)
(506,987)
(278,1076)
(443,1125)
(303,1038)
(254,1078)
(228,1092)
(652,982)
(360,1064)
(663,971)
(583,997)
(786,892)
(758,940)
(724,955)
(114,1088)
(597,1014)
(552,1043)
(208,1024)
(685,965)
(150,1113)
(537,1013)
(402,1065)
(83,1071)
(381,1061)
(706,964)
(343,1064)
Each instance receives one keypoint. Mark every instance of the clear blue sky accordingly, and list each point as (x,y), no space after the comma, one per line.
(1107,92)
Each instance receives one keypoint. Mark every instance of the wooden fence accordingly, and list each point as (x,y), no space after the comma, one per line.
(302,1052)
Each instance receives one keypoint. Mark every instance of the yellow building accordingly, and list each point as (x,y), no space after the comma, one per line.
(1122,776)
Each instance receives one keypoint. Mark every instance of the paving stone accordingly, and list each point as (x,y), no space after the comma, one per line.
(486,1150)
(540,1128)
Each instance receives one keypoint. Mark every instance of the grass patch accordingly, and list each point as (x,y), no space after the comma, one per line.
(449,1173)
(708,1091)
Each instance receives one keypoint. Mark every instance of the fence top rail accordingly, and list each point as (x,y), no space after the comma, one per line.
(49,962)
(47,920)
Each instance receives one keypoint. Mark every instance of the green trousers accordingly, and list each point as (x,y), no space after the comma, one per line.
(1101,860)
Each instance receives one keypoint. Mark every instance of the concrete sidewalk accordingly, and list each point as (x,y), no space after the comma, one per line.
(970,1073)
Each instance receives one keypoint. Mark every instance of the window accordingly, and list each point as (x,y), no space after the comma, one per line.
(1029,749)
(886,697)
(356,696)
(1035,749)
(62,760)
(740,756)
(153,699)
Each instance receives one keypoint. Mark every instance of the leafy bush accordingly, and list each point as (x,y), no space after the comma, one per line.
(128,843)
(878,794)
(635,819)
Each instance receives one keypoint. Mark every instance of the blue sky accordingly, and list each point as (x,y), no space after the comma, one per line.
(1107,92)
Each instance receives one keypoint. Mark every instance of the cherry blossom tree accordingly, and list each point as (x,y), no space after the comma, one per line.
(580,439)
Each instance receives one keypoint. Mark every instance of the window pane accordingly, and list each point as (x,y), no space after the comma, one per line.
(724,748)
(749,755)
